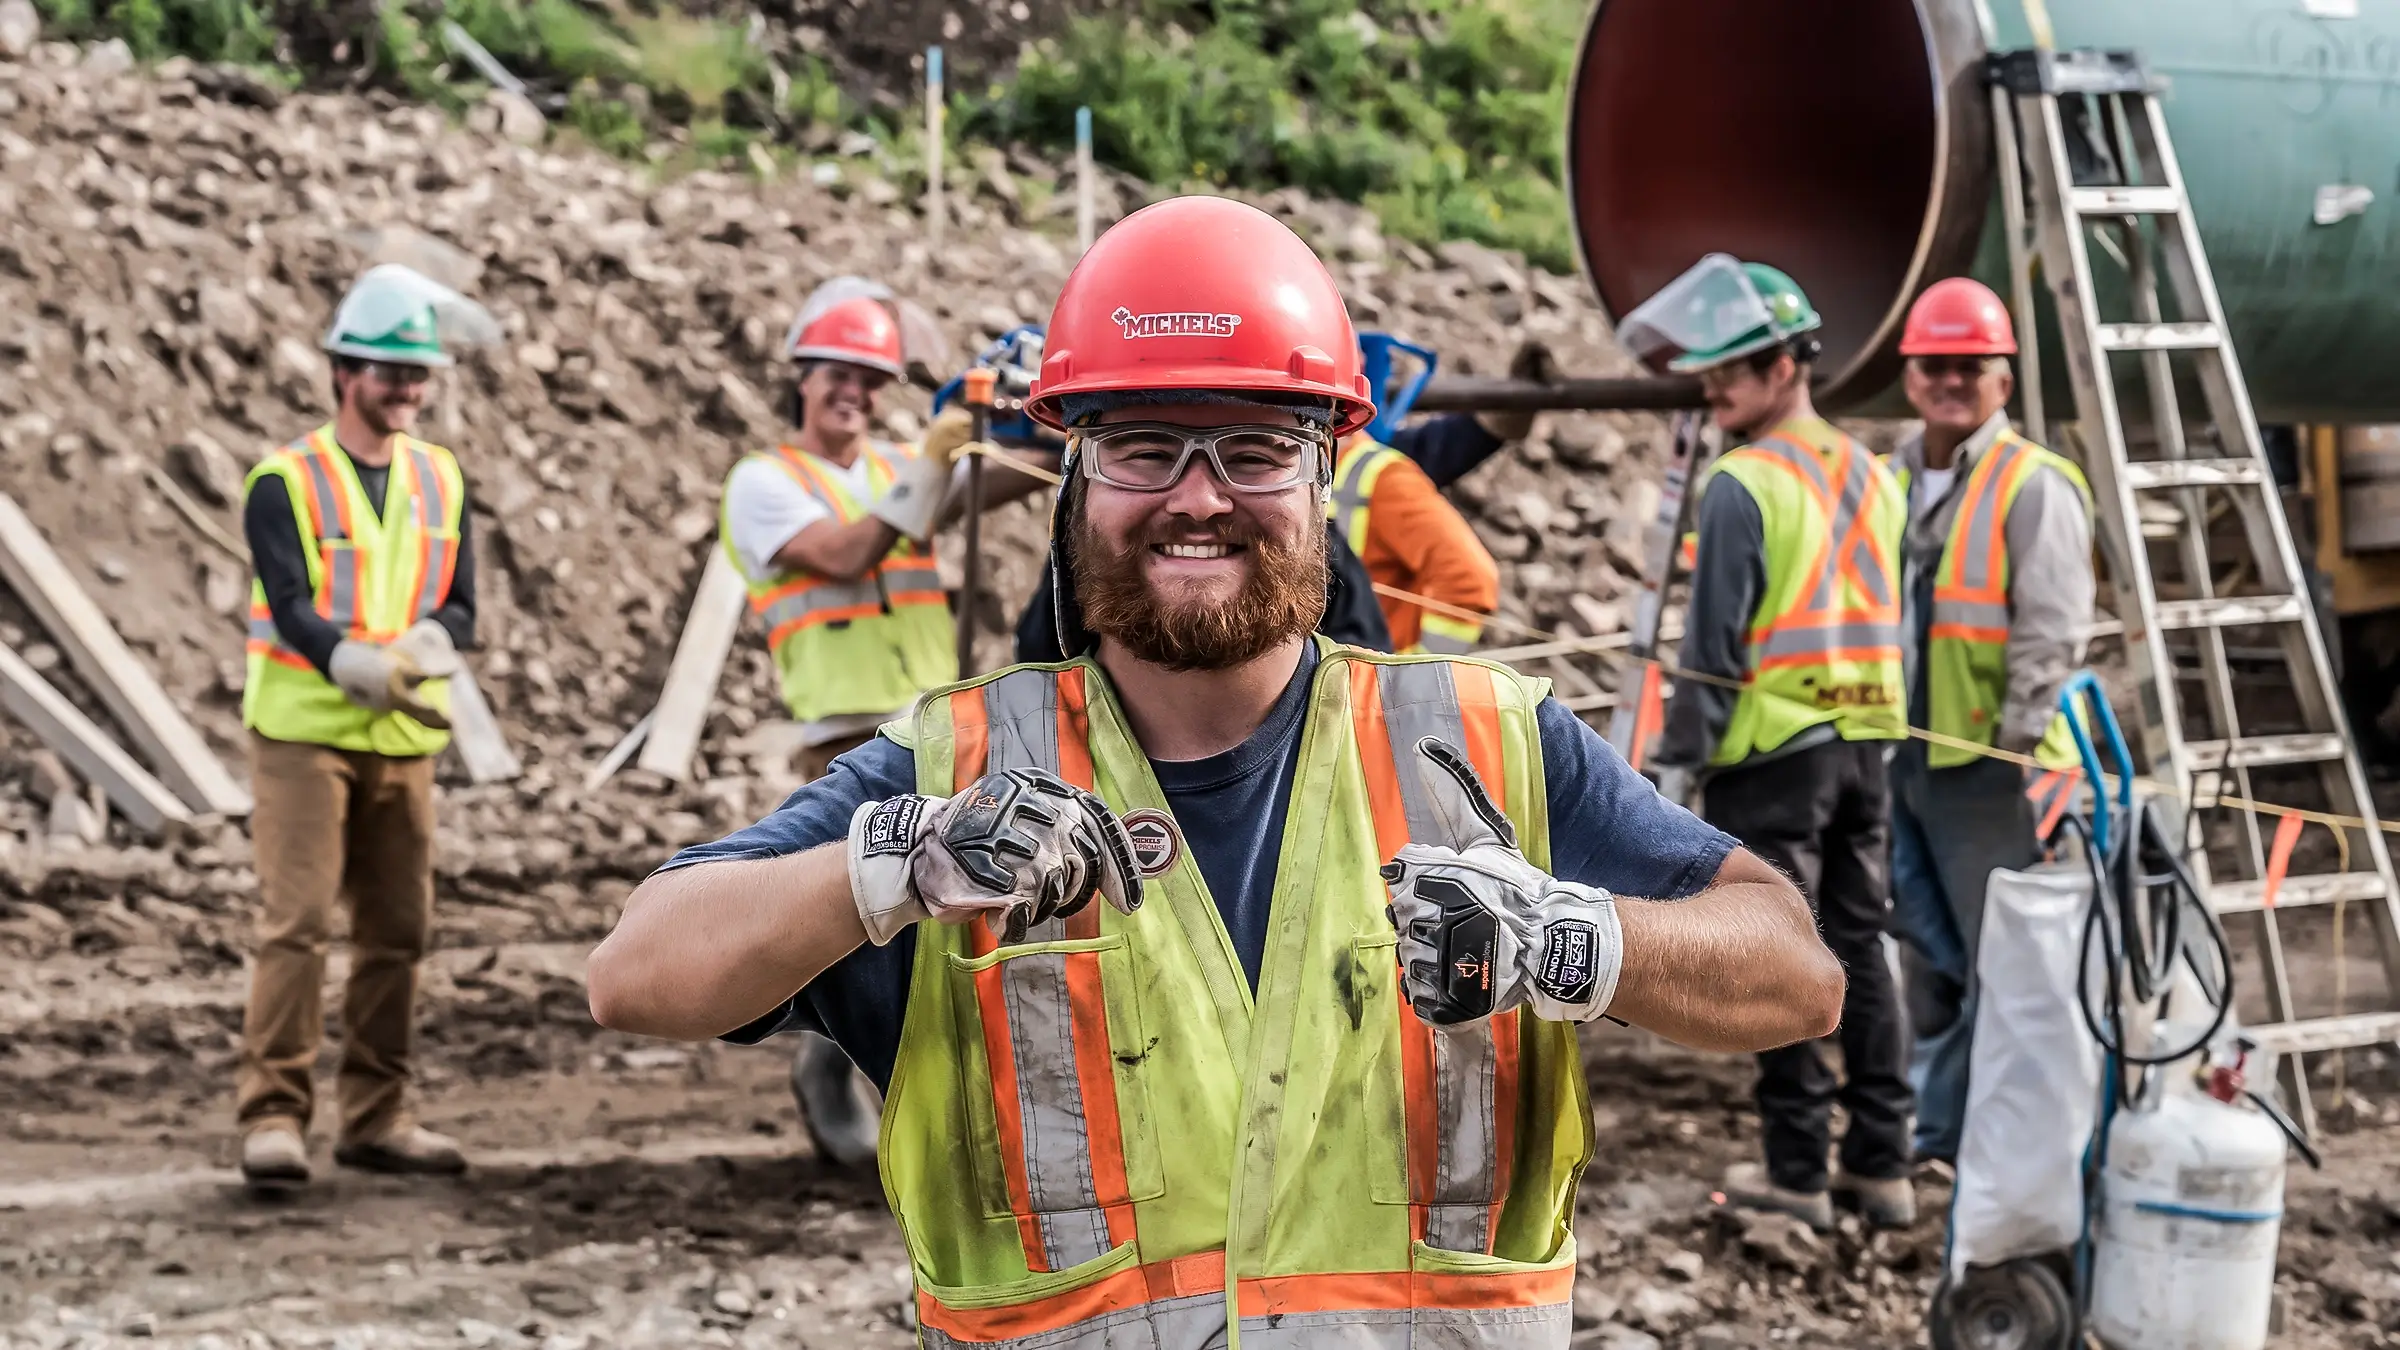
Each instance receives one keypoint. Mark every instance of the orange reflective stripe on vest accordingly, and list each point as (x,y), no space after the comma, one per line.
(1459,1083)
(1970,590)
(1045,1022)
(1848,559)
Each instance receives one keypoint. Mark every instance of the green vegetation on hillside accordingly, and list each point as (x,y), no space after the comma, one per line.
(1441,115)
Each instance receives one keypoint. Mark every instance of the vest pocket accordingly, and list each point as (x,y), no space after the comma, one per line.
(1041,1304)
(1064,1138)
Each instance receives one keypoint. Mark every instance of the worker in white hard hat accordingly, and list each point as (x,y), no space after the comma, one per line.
(365,591)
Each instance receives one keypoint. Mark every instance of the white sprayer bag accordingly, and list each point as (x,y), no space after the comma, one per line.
(2033,1073)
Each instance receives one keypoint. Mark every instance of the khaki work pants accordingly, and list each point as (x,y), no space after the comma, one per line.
(354,828)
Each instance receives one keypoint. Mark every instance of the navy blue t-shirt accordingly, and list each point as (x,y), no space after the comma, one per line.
(1608,828)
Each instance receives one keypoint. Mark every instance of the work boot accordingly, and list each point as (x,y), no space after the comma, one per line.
(838,1122)
(274,1157)
(1747,1186)
(1885,1202)
(407,1149)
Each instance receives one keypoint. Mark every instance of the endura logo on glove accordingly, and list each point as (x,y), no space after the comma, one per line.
(892,826)
(1174,325)
(1567,973)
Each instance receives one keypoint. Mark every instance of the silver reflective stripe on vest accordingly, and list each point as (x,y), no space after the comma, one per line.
(1992,614)
(1537,1328)
(1193,1322)
(1058,1152)
(1979,531)
(433,501)
(1421,700)
(1824,639)
(327,499)
(1020,712)
(341,588)
(1443,644)
(821,598)
(264,630)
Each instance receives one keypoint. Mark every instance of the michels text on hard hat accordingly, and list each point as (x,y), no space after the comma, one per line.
(1174,325)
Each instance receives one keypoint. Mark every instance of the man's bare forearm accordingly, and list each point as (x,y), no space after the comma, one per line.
(704,949)
(843,552)
(1737,967)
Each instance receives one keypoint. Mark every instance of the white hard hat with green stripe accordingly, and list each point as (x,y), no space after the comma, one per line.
(396,314)
(1720,310)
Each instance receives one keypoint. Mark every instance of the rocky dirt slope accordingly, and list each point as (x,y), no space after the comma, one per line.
(174,244)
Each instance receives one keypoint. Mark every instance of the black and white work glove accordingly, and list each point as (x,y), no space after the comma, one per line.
(1017,848)
(1481,929)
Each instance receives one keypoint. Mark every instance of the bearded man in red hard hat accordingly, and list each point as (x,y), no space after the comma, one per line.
(1311,1070)
(1997,599)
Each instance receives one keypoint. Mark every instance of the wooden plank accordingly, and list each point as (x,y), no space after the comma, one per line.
(476,734)
(38,704)
(708,631)
(616,757)
(148,717)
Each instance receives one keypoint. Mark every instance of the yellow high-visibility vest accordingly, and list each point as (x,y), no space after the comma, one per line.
(1825,637)
(863,646)
(1099,1137)
(372,576)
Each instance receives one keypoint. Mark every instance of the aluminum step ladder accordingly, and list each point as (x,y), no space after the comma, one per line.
(2192,529)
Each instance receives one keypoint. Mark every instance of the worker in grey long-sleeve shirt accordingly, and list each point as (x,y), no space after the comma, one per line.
(1794,626)
(1998,585)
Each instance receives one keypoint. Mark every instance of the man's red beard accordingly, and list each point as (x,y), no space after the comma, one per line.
(1282,597)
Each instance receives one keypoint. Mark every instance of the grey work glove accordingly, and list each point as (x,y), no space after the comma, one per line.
(1482,930)
(1017,848)
(914,501)
(384,679)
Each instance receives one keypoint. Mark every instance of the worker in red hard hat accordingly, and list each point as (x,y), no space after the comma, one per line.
(1997,599)
(1235,1094)
(831,533)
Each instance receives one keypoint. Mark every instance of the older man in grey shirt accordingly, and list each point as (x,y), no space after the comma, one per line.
(1957,816)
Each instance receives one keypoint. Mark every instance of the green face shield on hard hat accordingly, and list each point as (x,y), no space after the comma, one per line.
(1721,309)
(396,314)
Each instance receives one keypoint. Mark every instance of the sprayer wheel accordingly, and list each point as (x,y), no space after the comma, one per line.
(2018,1305)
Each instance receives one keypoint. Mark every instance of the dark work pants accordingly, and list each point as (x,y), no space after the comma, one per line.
(1819,815)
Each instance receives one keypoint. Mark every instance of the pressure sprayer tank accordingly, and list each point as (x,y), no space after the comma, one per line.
(2183,1254)
(1851,145)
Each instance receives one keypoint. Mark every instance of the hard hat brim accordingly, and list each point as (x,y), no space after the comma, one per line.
(850,358)
(1965,346)
(1351,411)
(431,360)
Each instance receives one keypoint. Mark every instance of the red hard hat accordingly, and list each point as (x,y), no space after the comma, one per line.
(1202,293)
(1958,316)
(860,331)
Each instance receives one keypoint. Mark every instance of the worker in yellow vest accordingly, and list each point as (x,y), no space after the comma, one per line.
(831,533)
(1795,695)
(365,590)
(1998,591)
(1411,538)
(1309,1076)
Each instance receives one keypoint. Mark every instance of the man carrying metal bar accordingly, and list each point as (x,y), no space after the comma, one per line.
(1998,595)
(1310,1076)
(1793,644)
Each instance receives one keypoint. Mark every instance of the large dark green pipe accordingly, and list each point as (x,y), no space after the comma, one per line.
(1850,143)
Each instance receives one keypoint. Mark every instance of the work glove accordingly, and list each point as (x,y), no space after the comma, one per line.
(384,679)
(1018,848)
(1532,362)
(914,500)
(1482,930)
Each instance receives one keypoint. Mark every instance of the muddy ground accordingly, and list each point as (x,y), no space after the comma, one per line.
(633,1193)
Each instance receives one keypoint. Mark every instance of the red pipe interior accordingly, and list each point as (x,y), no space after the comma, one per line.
(1795,132)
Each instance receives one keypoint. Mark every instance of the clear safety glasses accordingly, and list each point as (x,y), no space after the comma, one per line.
(1151,456)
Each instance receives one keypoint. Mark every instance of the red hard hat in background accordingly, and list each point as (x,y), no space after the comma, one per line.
(859,331)
(1958,316)
(1202,293)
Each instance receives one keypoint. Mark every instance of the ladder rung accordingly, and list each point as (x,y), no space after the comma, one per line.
(2327,1033)
(2181,473)
(2158,337)
(2125,201)
(2179,614)
(2254,752)
(2244,897)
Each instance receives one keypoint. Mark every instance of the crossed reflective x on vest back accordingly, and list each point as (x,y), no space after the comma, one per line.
(1970,587)
(1044,1016)
(1847,560)
(344,556)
